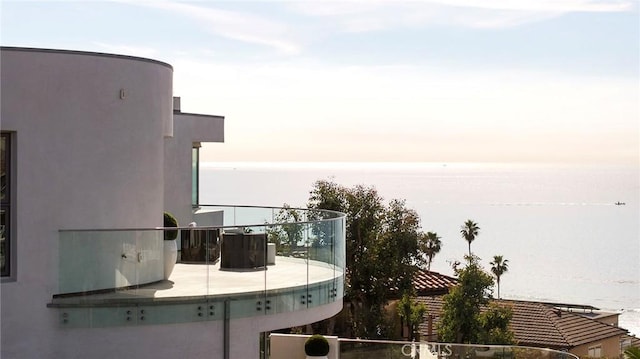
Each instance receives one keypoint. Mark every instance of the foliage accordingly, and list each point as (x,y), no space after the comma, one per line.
(287,234)
(460,321)
(495,325)
(316,345)
(363,292)
(469,231)
(527,353)
(382,252)
(170,221)
(398,246)
(499,266)
(412,312)
(328,195)
(430,245)
(632,353)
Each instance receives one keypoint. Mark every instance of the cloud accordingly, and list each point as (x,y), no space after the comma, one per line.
(378,15)
(541,5)
(342,112)
(234,25)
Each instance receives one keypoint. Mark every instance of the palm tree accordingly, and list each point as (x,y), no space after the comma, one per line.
(431,246)
(499,266)
(469,232)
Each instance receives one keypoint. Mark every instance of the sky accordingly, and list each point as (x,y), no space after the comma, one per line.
(381,81)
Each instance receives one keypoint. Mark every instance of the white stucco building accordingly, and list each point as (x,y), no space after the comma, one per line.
(94,149)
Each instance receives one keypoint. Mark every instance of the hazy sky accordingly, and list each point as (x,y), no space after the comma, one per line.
(424,80)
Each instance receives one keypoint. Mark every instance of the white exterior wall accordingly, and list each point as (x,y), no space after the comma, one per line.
(291,346)
(85,158)
(242,330)
(190,340)
(187,129)
(89,158)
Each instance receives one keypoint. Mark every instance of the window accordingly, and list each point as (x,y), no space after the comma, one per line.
(195,175)
(5,205)
(595,352)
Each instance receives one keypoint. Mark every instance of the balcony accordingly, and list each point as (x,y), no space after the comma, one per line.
(352,349)
(291,346)
(254,261)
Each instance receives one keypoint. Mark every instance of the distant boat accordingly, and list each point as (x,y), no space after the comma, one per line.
(620,203)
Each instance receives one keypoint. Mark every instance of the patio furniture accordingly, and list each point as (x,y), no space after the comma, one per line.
(243,251)
(199,245)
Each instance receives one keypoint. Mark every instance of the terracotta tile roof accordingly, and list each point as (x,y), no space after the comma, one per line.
(432,283)
(534,324)
(541,325)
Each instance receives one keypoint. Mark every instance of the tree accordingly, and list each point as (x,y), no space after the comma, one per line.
(467,314)
(461,307)
(494,322)
(499,266)
(363,292)
(412,313)
(430,245)
(287,234)
(469,232)
(398,246)
(381,253)
(328,195)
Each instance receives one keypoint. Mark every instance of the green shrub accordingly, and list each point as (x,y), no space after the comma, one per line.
(632,353)
(170,221)
(316,345)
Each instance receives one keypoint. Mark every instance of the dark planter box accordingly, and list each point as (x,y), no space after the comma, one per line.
(199,245)
(243,251)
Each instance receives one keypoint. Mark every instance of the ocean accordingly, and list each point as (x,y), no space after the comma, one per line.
(563,228)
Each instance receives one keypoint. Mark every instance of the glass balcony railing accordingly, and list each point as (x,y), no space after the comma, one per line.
(232,262)
(281,346)
(379,349)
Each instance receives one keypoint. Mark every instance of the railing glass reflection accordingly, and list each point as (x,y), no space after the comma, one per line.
(365,349)
(249,260)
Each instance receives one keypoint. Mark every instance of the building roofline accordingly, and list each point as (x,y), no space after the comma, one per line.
(536,318)
(569,306)
(178,112)
(84,53)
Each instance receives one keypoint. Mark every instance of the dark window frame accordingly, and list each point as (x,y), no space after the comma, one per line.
(195,175)
(5,206)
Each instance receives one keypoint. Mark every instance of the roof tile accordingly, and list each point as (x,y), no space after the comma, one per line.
(540,324)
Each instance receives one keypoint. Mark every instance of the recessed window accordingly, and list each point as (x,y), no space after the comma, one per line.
(595,351)
(5,205)
(195,175)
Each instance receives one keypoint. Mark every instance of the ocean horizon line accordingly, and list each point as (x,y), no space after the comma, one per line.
(404,165)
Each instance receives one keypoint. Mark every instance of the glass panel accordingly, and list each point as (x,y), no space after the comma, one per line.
(195,162)
(98,261)
(243,249)
(199,245)
(356,349)
(285,262)
(4,242)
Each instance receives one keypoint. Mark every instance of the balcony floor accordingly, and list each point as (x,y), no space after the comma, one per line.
(195,281)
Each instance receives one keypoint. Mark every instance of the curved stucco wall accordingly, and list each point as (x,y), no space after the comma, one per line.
(86,156)
(186,340)
(88,137)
